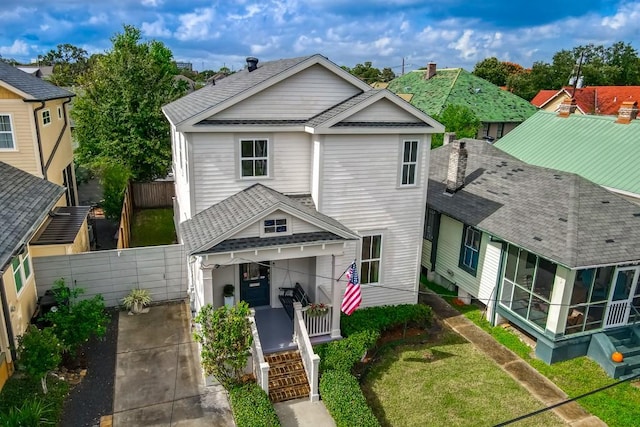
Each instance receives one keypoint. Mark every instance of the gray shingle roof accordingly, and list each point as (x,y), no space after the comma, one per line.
(203,231)
(37,89)
(263,242)
(211,95)
(343,106)
(25,200)
(557,215)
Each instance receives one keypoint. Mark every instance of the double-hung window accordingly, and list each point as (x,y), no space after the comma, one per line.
(7,139)
(46,117)
(470,250)
(21,270)
(254,158)
(409,162)
(371,257)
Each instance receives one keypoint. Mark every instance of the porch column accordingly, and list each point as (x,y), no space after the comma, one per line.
(560,300)
(207,284)
(336,301)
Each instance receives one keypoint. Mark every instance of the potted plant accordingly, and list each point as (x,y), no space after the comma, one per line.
(137,300)
(229,292)
(316,310)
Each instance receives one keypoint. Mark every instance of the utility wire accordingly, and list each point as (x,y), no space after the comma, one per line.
(564,402)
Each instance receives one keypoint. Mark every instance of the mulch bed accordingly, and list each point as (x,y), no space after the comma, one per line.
(93,396)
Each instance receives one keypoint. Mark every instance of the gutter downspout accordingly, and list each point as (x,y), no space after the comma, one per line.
(7,318)
(35,120)
(64,127)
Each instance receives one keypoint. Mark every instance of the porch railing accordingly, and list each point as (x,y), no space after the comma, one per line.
(310,360)
(317,323)
(260,366)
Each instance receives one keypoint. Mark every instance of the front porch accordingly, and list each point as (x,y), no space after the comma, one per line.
(275,330)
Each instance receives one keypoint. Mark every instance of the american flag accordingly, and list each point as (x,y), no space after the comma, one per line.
(352,296)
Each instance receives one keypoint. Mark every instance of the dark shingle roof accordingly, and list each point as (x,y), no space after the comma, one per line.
(212,95)
(37,89)
(63,226)
(554,214)
(202,232)
(455,86)
(263,242)
(25,200)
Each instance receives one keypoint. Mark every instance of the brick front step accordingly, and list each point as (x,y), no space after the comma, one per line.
(287,378)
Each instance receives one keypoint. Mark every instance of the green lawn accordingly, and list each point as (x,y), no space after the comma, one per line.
(152,227)
(617,406)
(447,383)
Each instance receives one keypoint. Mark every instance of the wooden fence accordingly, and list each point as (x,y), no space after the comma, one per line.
(124,230)
(156,194)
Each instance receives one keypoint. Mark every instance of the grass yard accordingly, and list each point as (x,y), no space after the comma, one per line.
(446,383)
(617,406)
(152,227)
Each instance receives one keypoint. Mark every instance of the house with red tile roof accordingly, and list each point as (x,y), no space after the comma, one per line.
(603,100)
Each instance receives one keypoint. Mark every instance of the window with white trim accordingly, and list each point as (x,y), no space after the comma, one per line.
(275,226)
(21,266)
(46,117)
(7,139)
(470,250)
(409,163)
(254,158)
(370,260)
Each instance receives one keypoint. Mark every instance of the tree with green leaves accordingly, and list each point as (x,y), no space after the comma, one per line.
(39,352)
(492,70)
(459,119)
(225,336)
(367,72)
(69,62)
(75,321)
(118,114)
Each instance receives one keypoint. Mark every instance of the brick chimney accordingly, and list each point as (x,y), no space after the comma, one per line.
(431,70)
(567,107)
(457,166)
(628,111)
(448,138)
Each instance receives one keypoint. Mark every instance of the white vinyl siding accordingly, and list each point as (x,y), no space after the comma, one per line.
(426,254)
(382,109)
(7,136)
(447,264)
(362,200)
(181,175)
(213,161)
(490,271)
(301,96)
(295,225)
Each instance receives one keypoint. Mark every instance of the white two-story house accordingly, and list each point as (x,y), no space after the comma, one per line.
(288,171)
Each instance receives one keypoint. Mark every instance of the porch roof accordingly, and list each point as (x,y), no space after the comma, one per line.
(232,245)
(557,215)
(62,226)
(218,224)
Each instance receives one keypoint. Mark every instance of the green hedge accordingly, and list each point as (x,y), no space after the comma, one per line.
(23,392)
(385,317)
(251,407)
(344,400)
(344,354)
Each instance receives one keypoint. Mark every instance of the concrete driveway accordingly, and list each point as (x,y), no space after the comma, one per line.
(158,377)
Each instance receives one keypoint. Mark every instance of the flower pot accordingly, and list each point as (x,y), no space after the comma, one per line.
(228,301)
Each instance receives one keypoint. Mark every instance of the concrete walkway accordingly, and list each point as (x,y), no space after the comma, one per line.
(302,412)
(537,384)
(158,377)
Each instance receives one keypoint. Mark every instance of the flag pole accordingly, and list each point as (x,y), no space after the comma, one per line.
(345,271)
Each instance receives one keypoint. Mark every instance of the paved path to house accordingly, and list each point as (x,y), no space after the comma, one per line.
(302,412)
(158,378)
(537,384)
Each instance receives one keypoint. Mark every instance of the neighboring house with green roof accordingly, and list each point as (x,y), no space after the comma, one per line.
(602,149)
(432,90)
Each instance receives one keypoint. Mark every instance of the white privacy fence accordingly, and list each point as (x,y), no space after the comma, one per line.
(161,270)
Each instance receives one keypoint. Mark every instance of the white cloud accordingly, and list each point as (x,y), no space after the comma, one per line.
(17,48)
(405,26)
(16,13)
(152,3)
(101,18)
(155,29)
(196,26)
(465,45)
(382,46)
(627,16)
(44,27)
(251,10)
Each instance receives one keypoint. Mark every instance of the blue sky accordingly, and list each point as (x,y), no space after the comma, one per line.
(211,34)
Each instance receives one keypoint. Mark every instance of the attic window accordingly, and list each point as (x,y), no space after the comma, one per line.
(275,226)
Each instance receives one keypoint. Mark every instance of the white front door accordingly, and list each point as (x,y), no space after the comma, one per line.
(622,292)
